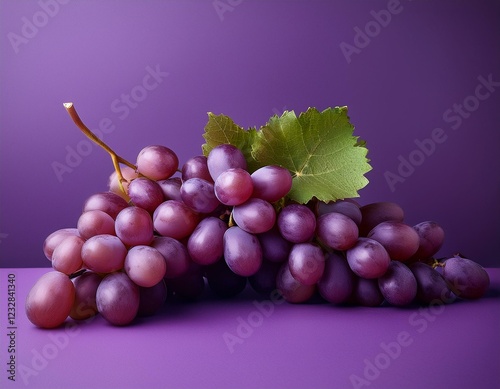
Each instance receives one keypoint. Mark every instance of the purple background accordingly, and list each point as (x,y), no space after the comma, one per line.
(255,60)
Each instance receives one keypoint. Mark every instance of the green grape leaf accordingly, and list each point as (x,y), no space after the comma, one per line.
(222,129)
(327,162)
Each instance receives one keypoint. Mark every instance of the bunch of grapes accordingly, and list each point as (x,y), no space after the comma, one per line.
(162,232)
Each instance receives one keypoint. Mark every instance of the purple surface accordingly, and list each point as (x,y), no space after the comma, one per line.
(253,60)
(294,346)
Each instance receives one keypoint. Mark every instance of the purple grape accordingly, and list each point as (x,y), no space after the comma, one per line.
(104,253)
(264,281)
(242,251)
(296,223)
(50,300)
(345,207)
(198,194)
(176,255)
(233,186)
(95,222)
(152,299)
(398,285)
(376,213)
(368,258)
(117,299)
(157,162)
(224,157)
(174,219)
(85,305)
(400,240)
(367,293)
(337,282)
(134,226)
(56,237)
(271,183)
(466,278)
(431,286)
(306,262)
(145,194)
(196,167)
(337,231)
(145,266)
(171,188)
(275,248)
(291,289)
(206,243)
(431,238)
(255,216)
(108,202)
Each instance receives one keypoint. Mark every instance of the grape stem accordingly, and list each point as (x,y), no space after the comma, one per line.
(115,158)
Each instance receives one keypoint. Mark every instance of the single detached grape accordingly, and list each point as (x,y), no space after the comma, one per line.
(56,237)
(337,282)
(108,202)
(134,226)
(242,251)
(85,305)
(157,162)
(271,183)
(255,216)
(224,157)
(292,290)
(431,286)
(346,207)
(400,240)
(233,186)
(174,219)
(296,223)
(49,301)
(104,253)
(198,194)
(175,254)
(145,193)
(145,266)
(398,285)
(206,243)
(337,231)
(196,167)
(368,258)
(67,257)
(466,278)
(306,262)
(117,299)
(95,222)
(431,238)
(376,213)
